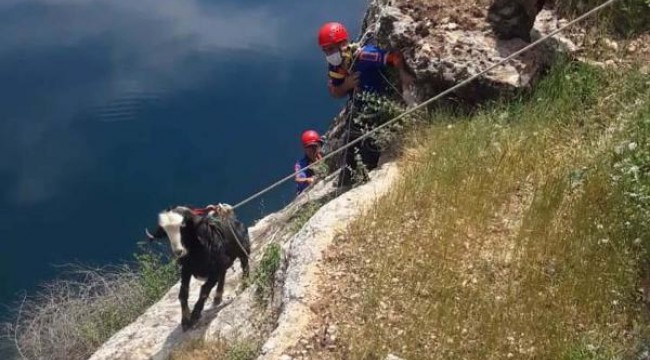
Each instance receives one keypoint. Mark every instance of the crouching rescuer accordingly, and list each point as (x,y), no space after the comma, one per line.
(311,143)
(355,71)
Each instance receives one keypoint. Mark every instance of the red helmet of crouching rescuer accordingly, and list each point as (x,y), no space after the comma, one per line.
(310,137)
(332,33)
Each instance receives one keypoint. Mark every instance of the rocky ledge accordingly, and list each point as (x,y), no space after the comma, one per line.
(445,43)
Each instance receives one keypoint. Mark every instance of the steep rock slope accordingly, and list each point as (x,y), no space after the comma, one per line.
(239,318)
(443,43)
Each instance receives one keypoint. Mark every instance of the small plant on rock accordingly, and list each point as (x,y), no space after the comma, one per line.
(264,278)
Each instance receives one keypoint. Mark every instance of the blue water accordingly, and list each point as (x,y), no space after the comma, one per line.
(111,110)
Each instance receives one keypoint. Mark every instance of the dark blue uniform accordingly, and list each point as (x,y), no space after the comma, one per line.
(370,62)
(304,173)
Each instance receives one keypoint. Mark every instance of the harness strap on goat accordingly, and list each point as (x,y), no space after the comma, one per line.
(209,213)
(216,220)
(237,240)
(201,211)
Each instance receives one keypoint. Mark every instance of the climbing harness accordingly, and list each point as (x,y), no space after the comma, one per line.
(430,100)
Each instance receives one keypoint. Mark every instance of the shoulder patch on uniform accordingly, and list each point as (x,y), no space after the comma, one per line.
(369,56)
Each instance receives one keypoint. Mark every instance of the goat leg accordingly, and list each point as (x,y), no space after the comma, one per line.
(220,282)
(205,292)
(183,294)
(244,265)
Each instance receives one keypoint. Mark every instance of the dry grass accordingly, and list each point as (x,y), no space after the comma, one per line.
(71,317)
(624,18)
(507,238)
(216,350)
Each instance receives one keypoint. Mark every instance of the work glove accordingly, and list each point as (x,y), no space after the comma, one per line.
(351,81)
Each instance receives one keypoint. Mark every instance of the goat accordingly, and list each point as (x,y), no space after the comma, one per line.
(205,247)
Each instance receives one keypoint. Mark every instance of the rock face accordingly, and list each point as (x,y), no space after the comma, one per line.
(393,357)
(514,18)
(446,45)
(306,254)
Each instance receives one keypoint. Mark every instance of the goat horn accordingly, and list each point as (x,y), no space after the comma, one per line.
(146,231)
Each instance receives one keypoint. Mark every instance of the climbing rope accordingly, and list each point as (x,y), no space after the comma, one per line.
(430,100)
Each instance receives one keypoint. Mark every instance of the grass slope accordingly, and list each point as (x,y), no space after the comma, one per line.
(519,232)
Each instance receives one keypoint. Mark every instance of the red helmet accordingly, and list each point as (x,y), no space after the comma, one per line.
(332,33)
(310,137)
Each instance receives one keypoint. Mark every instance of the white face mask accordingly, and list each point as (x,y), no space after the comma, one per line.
(334,59)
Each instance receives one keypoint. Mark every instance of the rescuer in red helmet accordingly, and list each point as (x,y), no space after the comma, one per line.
(368,61)
(356,71)
(311,143)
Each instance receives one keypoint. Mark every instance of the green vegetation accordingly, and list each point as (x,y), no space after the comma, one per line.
(264,278)
(519,232)
(306,212)
(627,17)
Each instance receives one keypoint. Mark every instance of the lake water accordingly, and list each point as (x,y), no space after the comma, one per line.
(111,110)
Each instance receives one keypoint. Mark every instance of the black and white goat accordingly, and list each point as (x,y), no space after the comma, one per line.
(206,248)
